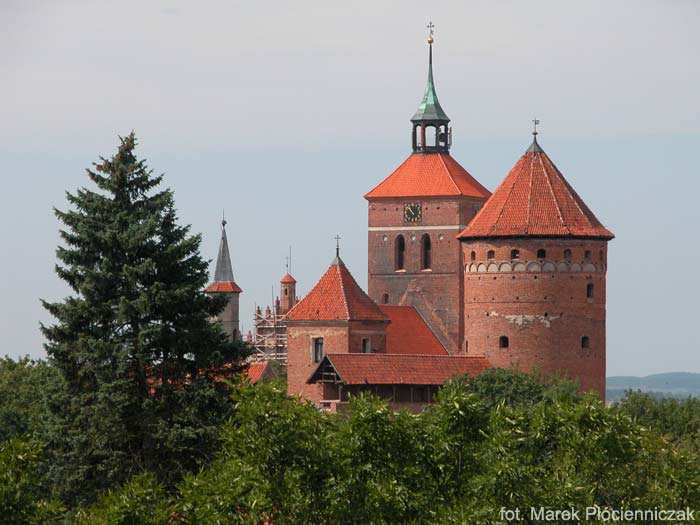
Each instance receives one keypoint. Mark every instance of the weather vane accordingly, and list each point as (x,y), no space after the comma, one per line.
(535,122)
(430,27)
(337,245)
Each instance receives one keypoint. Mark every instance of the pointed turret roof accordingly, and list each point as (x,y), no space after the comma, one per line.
(429,108)
(434,175)
(223,272)
(288,279)
(535,200)
(336,297)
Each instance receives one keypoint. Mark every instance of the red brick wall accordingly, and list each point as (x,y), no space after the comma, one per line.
(338,337)
(300,364)
(544,314)
(436,293)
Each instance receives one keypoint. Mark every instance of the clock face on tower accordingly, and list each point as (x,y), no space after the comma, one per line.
(412,212)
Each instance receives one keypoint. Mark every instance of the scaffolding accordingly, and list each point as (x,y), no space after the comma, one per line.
(270,338)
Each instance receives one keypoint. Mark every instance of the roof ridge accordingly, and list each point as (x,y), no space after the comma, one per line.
(529,201)
(503,206)
(449,173)
(554,197)
(343,292)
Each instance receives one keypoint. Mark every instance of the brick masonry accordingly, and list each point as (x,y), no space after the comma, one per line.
(540,304)
(437,293)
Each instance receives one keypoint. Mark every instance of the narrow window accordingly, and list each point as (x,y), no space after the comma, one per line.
(585,342)
(503,342)
(589,291)
(473,256)
(286,292)
(567,255)
(366,347)
(515,254)
(426,251)
(317,349)
(385,298)
(541,253)
(587,255)
(491,255)
(600,256)
(400,252)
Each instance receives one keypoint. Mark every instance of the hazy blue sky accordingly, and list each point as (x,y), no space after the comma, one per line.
(285,114)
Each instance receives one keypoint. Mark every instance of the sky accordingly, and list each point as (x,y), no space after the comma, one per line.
(284,114)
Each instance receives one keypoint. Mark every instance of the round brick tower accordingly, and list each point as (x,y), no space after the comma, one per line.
(535,259)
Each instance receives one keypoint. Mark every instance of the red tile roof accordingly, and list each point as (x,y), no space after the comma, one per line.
(535,200)
(225,286)
(288,279)
(393,369)
(255,370)
(429,175)
(408,333)
(336,296)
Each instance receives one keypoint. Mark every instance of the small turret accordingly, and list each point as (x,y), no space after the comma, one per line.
(288,287)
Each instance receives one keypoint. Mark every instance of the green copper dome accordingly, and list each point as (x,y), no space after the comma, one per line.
(430,109)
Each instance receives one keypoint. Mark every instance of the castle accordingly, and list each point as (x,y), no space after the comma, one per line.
(460,280)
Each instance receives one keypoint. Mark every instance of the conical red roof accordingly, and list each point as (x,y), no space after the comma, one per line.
(336,296)
(535,200)
(429,175)
(288,279)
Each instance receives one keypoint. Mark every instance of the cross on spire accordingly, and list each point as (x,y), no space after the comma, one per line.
(430,27)
(337,245)
(535,122)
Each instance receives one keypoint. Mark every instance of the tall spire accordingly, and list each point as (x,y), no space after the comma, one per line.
(430,122)
(429,108)
(223,271)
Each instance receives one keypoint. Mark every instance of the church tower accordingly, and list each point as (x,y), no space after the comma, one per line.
(224,284)
(414,216)
(534,282)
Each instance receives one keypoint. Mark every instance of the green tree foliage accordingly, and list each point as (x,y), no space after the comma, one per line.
(675,417)
(133,343)
(26,387)
(459,461)
(21,499)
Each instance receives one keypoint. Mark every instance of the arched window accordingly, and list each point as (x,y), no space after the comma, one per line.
(567,255)
(515,254)
(541,253)
(385,298)
(400,253)
(585,342)
(587,255)
(589,291)
(425,242)
(286,292)
(490,255)
(503,342)
(473,256)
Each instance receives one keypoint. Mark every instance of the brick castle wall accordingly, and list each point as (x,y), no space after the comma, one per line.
(540,304)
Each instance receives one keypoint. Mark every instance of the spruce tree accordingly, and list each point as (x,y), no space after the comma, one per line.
(140,357)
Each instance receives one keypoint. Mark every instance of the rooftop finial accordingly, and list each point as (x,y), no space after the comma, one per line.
(535,122)
(535,147)
(430,27)
(223,219)
(337,245)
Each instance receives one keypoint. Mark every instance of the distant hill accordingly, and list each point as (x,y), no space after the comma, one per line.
(672,384)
